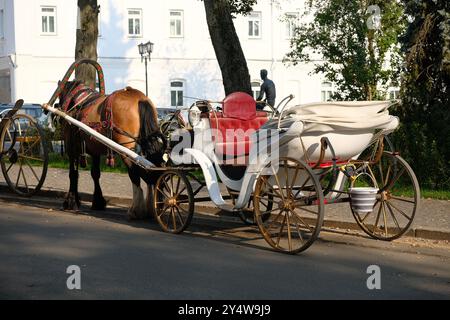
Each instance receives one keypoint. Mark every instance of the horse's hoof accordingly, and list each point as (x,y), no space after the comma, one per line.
(99,204)
(72,202)
(71,207)
(131,217)
(98,207)
(139,216)
(134,214)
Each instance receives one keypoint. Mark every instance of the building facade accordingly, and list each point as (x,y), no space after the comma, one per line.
(37,44)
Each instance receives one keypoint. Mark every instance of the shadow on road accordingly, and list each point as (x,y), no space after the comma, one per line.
(213,260)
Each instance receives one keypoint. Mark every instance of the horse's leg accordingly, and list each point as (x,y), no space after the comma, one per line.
(72,200)
(138,208)
(98,202)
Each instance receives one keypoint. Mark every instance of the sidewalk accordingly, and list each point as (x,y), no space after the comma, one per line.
(432,220)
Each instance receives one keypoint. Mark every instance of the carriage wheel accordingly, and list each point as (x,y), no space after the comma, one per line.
(296,215)
(397,199)
(24,165)
(173,202)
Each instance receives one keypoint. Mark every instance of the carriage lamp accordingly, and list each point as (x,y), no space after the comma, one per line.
(194,116)
(145,50)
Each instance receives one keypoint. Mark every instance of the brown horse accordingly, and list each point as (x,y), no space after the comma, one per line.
(126,116)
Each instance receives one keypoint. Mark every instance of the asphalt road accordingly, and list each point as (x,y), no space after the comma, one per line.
(214,260)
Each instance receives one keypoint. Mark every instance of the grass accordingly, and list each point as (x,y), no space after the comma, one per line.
(55,160)
(436,194)
(427,193)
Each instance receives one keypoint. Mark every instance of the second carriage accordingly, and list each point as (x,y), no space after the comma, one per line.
(23,151)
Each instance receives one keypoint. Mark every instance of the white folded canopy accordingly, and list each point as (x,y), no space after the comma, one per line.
(346,116)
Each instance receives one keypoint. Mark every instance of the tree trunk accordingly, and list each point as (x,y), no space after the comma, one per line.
(227,47)
(86,43)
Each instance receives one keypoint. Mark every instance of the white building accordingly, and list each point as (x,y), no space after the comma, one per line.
(37,44)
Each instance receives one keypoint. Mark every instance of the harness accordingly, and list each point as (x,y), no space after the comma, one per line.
(78,101)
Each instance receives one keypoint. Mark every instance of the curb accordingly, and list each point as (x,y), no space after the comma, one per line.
(211,210)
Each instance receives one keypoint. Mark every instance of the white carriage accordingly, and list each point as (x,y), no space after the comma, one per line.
(281,166)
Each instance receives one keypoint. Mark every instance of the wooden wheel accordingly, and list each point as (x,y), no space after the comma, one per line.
(297,210)
(397,199)
(25,160)
(173,202)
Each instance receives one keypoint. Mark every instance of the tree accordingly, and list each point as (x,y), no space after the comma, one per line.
(353,54)
(228,50)
(86,40)
(425,109)
(243,7)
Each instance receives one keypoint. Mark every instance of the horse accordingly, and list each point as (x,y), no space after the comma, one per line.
(126,116)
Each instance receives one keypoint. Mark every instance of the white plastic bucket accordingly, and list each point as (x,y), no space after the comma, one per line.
(362,199)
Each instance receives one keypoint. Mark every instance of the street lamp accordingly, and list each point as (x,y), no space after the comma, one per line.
(145,50)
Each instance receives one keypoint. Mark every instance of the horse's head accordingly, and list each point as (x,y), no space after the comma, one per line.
(155,147)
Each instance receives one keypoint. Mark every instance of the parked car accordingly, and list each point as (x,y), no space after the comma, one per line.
(32,109)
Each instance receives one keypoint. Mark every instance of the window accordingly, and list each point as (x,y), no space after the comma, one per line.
(327,91)
(394,93)
(254,25)
(134,22)
(176,93)
(48,19)
(256,89)
(176,23)
(291,24)
(2,26)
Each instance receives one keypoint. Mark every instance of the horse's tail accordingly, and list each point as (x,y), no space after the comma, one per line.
(151,139)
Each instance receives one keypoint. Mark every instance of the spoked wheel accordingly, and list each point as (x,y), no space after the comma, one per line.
(25,160)
(397,199)
(173,202)
(297,211)
(247,214)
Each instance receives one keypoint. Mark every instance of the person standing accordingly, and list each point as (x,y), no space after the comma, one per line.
(267,89)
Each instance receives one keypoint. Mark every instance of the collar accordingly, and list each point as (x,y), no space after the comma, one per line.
(71,95)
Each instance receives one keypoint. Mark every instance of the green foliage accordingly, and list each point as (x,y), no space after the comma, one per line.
(242,7)
(425,110)
(342,47)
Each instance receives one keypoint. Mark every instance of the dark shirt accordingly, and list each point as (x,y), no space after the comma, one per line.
(268,88)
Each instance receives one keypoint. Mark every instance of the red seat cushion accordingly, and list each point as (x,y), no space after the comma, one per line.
(235,125)
(232,137)
(239,105)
